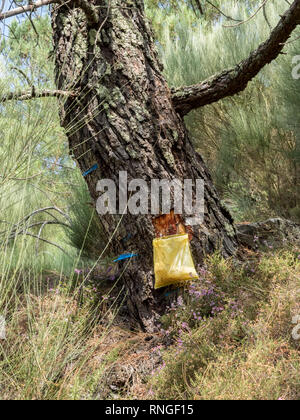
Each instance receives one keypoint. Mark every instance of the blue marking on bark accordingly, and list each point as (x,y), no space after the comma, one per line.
(125,257)
(92,169)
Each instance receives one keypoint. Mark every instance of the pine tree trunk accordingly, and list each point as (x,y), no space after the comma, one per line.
(123,119)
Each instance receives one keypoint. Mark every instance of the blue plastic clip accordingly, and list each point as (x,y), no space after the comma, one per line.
(125,257)
(92,169)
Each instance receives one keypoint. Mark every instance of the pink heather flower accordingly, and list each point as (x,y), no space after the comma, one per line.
(77,271)
(179,342)
(180,301)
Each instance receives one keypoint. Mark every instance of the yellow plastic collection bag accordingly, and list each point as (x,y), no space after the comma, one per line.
(173,262)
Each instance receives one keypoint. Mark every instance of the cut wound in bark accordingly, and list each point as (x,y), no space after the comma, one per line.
(171,224)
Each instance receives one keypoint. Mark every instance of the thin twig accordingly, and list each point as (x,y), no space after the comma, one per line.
(291,41)
(222,13)
(28,8)
(46,209)
(48,242)
(19,230)
(23,74)
(266,17)
(247,20)
(21,179)
(199,6)
(33,94)
(102,24)
(2,6)
(89,10)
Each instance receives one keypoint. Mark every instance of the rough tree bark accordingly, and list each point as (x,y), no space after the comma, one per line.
(125,118)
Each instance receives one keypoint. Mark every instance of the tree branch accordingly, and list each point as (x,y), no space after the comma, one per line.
(89,9)
(43,210)
(33,94)
(28,8)
(199,6)
(21,228)
(232,81)
(45,240)
(222,13)
(2,6)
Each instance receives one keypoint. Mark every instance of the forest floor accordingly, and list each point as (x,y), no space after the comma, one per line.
(231,335)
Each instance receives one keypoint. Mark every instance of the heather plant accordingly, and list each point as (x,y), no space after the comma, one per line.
(221,354)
